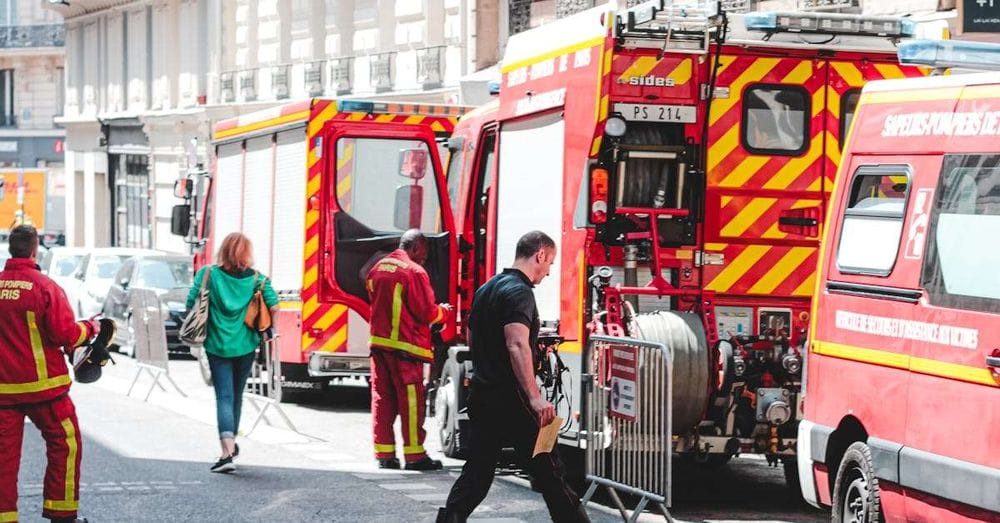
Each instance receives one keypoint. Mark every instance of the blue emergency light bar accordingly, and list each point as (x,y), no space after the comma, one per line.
(829,23)
(355,106)
(950,53)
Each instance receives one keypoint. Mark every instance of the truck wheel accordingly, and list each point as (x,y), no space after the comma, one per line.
(450,428)
(856,496)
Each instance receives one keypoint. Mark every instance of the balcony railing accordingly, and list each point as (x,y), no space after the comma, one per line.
(28,36)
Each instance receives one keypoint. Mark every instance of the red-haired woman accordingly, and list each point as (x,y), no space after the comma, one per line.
(229,343)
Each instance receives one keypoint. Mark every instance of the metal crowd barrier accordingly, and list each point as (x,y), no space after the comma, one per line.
(263,390)
(149,341)
(628,421)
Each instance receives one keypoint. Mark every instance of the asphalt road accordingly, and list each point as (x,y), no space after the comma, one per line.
(148,461)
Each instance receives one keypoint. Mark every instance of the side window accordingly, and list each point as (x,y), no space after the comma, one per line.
(873,220)
(848,105)
(775,120)
(455,159)
(388,184)
(964,226)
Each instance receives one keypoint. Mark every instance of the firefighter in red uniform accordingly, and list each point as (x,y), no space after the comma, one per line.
(34,380)
(403,308)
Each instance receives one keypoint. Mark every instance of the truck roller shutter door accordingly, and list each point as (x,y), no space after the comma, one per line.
(290,205)
(257,199)
(228,185)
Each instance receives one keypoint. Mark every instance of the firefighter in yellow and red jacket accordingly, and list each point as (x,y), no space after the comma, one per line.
(403,309)
(34,379)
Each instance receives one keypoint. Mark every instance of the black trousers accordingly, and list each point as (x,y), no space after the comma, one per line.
(499,419)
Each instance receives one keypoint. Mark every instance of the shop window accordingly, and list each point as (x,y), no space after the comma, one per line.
(965,222)
(873,220)
(775,120)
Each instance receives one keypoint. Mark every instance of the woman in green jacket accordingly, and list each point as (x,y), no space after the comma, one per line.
(229,343)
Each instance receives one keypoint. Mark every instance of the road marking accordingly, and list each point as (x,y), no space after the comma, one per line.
(379,476)
(405,486)
(432,496)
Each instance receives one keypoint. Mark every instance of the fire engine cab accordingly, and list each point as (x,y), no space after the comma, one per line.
(682,160)
(902,393)
(324,189)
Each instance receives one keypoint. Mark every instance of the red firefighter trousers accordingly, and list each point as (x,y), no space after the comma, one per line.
(56,420)
(397,390)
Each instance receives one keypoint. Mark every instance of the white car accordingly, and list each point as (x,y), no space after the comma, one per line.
(60,264)
(95,275)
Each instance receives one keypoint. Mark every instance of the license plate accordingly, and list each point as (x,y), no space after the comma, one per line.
(657,113)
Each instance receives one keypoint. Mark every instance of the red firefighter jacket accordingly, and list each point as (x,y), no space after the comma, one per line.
(37,322)
(402,306)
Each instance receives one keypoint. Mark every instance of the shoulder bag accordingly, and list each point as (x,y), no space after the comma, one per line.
(194,328)
(258,316)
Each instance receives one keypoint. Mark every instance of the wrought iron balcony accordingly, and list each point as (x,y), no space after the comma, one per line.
(28,36)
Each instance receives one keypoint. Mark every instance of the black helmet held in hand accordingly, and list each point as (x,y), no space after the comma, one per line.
(88,359)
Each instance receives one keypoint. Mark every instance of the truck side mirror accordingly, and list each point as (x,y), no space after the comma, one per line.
(183,188)
(413,163)
(409,207)
(180,220)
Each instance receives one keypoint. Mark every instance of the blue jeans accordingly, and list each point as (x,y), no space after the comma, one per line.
(229,377)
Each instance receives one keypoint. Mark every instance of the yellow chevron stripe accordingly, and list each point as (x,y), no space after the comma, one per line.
(414,119)
(796,166)
(312,244)
(737,268)
(889,71)
(781,270)
(744,171)
(330,316)
(716,246)
(640,67)
(316,124)
(723,146)
(313,185)
(601,72)
(603,110)
(336,341)
(724,62)
(382,118)
(747,216)
(309,277)
(311,217)
(724,201)
(437,127)
(309,307)
(819,101)
(773,233)
(757,70)
(596,146)
(799,74)
(807,287)
(849,72)
(833,104)
(355,117)
(816,186)
(805,204)
(682,73)
(832,149)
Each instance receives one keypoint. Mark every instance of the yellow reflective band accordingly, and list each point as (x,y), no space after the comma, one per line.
(941,369)
(36,347)
(439,316)
(83,334)
(397,309)
(73,445)
(411,400)
(414,449)
(62,506)
(401,345)
(379,447)
(8,516)
(34,386)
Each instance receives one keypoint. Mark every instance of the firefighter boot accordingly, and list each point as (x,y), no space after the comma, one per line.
(425,463)
(389,463)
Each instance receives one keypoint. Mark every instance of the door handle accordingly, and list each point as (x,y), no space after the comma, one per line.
(993,361)
(794,220)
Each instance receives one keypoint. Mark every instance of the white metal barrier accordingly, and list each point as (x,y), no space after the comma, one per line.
(627,416)
(263,390)
(149,341)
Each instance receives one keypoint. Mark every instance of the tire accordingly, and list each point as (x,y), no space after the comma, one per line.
(794,488)
(450,428)
(856,494)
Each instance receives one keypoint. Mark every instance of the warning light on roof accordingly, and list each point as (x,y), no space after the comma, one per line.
(950,53)
(829,23)
(355,106)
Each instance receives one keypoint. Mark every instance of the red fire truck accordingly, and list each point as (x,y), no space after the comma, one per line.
(677,220)
(323,189)
(902,410)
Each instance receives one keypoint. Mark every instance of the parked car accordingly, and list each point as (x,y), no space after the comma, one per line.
(4,254)
(60,264)
(169,277)
(94,276)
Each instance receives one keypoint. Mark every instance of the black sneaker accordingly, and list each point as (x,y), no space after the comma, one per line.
(236,452)
(425,463)
(388,463)
(68,520)
(224,465)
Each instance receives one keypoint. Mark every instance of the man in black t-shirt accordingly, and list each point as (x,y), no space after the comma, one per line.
(506,405)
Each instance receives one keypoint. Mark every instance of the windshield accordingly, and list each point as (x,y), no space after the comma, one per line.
(104,267)
(65,264)
(164,274)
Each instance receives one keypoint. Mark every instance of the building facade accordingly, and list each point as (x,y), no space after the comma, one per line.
(147,79)
(31,144)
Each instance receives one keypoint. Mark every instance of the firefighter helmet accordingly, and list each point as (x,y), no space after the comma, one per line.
(88,359)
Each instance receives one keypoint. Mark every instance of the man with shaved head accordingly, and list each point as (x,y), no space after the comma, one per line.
(403,308)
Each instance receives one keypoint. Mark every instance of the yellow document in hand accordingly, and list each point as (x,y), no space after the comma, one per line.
(547,437)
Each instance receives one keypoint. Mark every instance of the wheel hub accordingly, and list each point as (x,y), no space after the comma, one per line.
(856,502)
